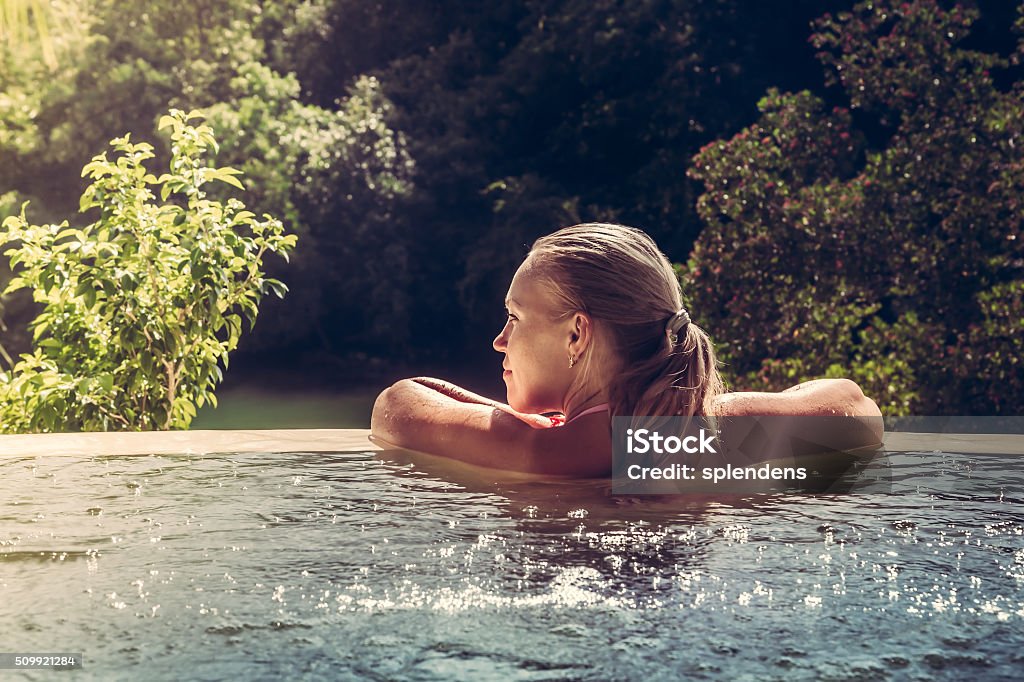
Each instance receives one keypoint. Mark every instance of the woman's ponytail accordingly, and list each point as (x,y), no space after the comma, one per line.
(678,379)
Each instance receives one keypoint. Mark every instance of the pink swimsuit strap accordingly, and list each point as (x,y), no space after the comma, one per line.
(560,421)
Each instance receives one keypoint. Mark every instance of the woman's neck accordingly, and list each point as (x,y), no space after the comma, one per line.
(583,400)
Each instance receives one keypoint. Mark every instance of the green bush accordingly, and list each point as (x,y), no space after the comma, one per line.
(142,306)
(891,255)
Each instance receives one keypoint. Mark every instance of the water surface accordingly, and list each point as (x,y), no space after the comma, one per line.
(362,565)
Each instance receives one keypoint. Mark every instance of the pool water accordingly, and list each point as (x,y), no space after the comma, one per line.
(370,566)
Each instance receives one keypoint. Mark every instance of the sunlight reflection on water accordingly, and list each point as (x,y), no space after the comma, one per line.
(351,564)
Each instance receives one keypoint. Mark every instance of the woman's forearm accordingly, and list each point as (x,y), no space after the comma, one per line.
(420,413)
(413,416)
(457,392)
(821,397)
(818,398)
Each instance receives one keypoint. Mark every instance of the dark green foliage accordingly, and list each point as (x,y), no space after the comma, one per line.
(523,118)
(898,263)
(334,175)
(520,117)
(868,240)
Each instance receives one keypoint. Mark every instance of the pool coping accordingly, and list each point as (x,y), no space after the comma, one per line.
(357,440)
(188,442)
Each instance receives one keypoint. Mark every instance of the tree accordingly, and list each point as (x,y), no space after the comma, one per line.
(331,173)
(523,117)
(141,307)
(887,250)
(26,23)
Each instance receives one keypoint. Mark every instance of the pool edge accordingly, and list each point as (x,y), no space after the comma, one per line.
(188,442)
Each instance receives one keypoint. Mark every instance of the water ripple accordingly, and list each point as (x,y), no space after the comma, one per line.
(348,563)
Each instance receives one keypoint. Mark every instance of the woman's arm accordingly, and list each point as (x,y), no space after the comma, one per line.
(461,395)
(458,393)
(416,416)
(817,398)
(820,397)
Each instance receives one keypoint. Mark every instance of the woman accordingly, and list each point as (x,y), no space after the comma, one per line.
(595,328)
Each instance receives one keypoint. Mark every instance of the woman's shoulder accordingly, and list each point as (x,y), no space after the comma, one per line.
(580,447)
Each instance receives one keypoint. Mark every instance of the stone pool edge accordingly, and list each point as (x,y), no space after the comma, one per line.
(188,442)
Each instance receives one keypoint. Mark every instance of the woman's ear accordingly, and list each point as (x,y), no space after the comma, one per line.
(581,335)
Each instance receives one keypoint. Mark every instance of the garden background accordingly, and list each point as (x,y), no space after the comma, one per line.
(841,184)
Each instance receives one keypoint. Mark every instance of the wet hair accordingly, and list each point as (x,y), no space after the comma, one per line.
(619,277)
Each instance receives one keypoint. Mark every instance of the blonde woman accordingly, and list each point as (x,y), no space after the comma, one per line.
(595,328)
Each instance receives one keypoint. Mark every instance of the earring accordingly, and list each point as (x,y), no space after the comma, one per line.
(572,360)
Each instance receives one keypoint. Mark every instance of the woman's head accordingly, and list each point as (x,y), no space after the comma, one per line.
(600,298)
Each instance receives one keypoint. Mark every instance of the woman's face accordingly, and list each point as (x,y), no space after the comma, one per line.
(536,346)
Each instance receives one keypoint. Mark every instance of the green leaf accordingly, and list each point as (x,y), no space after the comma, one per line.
(226,175)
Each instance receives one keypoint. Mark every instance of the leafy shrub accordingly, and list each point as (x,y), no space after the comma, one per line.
(142,307)
(891,255)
